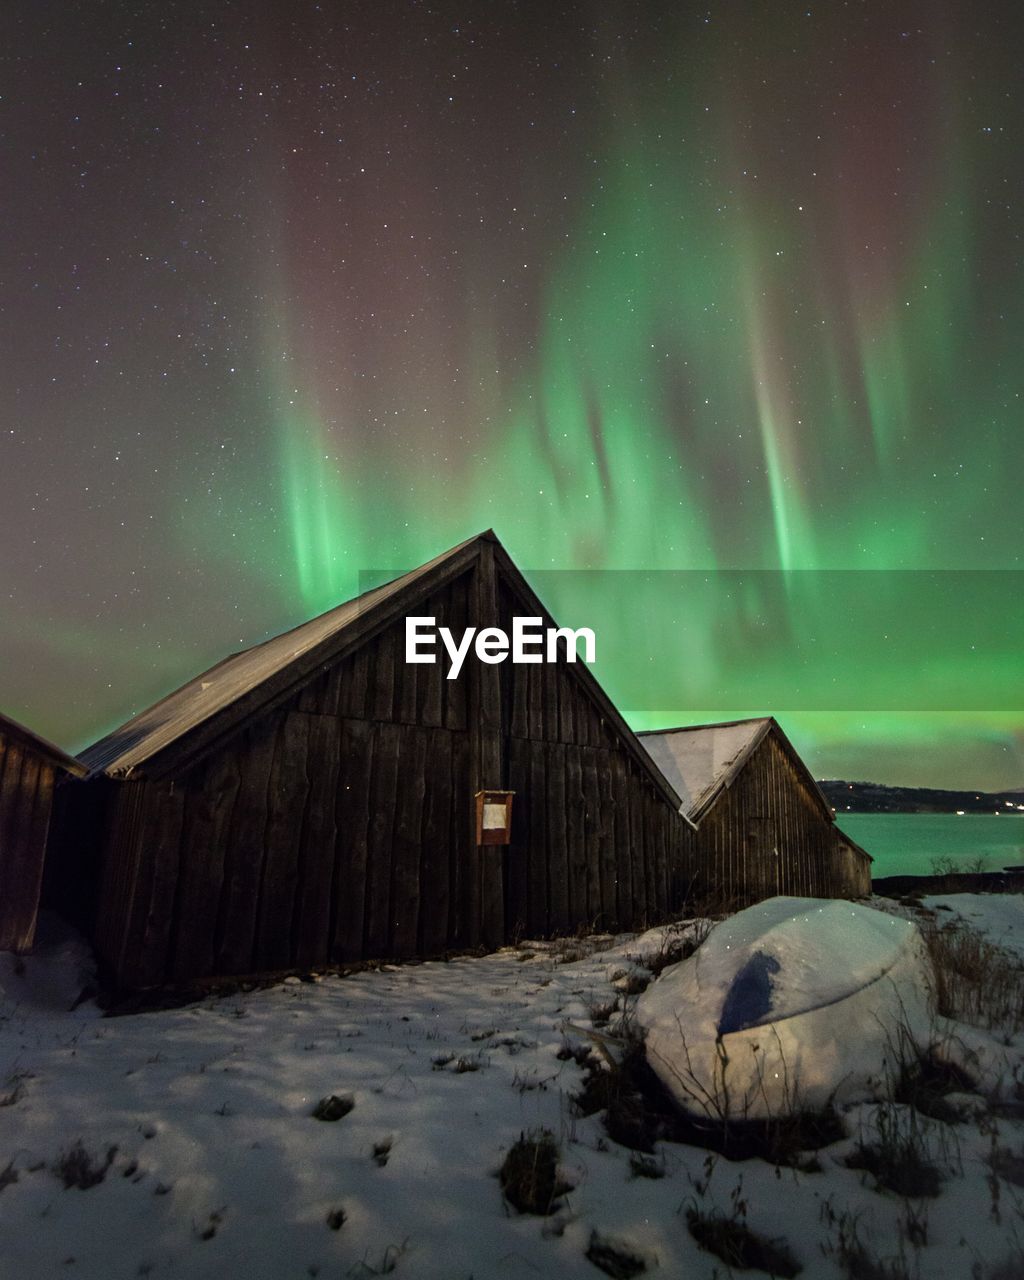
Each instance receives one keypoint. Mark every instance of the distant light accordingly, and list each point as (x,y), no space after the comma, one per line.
(960,813)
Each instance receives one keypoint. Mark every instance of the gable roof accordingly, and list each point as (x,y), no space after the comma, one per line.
(700,761)
(30,741)
(152,730)
(214,703)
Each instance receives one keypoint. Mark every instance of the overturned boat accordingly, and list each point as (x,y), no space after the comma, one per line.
(788,1006)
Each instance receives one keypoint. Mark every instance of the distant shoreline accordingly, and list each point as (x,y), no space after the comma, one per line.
(1004,881)
(875,797)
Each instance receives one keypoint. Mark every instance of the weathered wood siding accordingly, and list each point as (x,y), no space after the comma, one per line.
(339,825)
(26,795)
(853,868)
(766,834)
(593,840)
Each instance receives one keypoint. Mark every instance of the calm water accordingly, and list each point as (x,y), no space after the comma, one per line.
(903,844)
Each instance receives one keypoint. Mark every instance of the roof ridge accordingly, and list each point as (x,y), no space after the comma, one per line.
(145,734)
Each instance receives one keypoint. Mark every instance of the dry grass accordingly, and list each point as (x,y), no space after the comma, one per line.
(641,1166)
(1008,1165)
(17,1088)
(77,1168)
(898,1155)
(529,1174)
(729,1238)
(856,1259)
(614,1258)
(904,1170)
(925,1081)
(639,1112)
(1010,1267)
(333,1107)
(975,981)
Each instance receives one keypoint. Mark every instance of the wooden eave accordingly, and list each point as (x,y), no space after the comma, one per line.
(32,742)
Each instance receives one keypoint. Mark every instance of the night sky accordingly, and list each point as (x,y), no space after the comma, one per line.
(293,291)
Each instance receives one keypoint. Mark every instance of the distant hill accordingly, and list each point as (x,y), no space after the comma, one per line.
(873,797)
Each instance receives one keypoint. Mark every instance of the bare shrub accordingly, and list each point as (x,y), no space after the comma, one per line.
(947,867)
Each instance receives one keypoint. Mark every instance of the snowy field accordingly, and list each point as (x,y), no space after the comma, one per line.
(195,1128)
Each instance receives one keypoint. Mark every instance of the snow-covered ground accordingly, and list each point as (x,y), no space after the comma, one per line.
(218,1168)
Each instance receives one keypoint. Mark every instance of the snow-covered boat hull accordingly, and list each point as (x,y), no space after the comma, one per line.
(787,1006)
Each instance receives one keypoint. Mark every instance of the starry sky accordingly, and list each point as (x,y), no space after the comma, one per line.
(713,312)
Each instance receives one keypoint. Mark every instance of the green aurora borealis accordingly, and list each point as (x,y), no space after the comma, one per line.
(707,293)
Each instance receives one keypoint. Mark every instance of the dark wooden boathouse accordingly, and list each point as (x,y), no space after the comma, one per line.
(313,800)
(30,768)
(764,826)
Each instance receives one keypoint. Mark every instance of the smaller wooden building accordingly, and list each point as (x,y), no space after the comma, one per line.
(764,826)
(30,767)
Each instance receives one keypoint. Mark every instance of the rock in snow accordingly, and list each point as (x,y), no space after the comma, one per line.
(790,1003)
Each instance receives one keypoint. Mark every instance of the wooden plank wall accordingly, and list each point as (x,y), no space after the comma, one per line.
(325,832)
(767,835)
(339,827)
(26,798)
(854,869)
(593,842)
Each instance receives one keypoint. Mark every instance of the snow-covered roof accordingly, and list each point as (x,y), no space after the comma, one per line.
(219,698)
(698,760)
(216,689)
